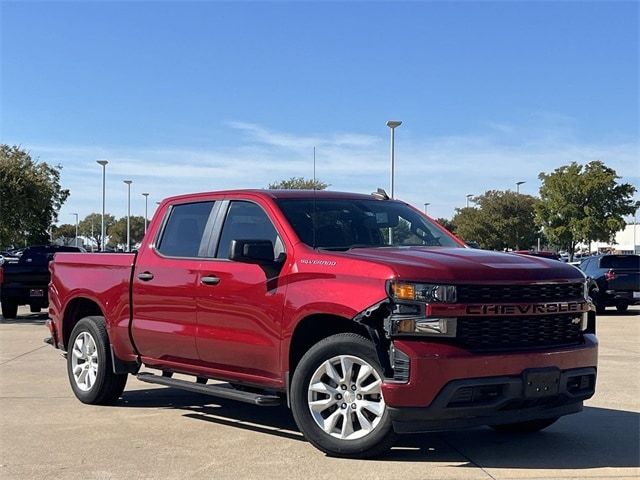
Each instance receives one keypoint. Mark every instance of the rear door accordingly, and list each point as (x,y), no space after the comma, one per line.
(164,281)
(240,315)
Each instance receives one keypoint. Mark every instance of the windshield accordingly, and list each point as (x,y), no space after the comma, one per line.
(341,224)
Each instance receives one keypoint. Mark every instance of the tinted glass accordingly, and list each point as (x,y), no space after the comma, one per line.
(621,261)
(182,234)
(340,224)
(246,221)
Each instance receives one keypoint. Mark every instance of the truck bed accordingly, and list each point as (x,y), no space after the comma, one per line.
(101,277)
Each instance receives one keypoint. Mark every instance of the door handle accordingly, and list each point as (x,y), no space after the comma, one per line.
(210,280)
(145,276)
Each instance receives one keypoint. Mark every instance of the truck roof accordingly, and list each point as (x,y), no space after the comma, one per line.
(280,194)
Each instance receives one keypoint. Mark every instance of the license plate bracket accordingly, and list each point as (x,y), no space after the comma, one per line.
(36,292)
(541,382)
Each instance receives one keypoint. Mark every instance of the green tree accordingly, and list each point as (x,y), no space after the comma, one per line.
(446,223)
(91,225)
(582,203)
(118,231)
(65,234)
(500,219)
(30,197)
(298,183)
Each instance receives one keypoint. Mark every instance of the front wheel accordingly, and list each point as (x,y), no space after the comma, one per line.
(89,364)
(337,401)
(531,426)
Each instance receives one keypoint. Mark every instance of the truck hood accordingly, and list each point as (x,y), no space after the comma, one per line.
(466,265)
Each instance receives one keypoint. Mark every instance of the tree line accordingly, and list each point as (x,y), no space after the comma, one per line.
(577,203)
(90,228)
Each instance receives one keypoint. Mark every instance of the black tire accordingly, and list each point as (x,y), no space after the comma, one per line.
(600,306)
(9,309)
(376,442)
(531,426)
(108,386)
(622,306)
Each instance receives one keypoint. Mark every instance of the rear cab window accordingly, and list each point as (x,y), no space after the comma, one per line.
(622,262)
(184,230)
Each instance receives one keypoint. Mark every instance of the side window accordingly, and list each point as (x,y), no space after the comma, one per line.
(183,231)
(247,221)
(584,266)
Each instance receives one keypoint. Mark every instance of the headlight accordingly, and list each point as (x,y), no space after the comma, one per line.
(423,292)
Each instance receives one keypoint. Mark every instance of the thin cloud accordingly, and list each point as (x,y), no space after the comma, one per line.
(439,170)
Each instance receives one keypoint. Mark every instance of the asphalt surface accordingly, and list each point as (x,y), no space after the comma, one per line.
(163,433)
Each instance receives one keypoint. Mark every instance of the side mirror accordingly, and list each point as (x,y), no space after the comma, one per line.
(252,251)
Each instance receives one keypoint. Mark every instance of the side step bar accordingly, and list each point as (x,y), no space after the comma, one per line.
(222,391)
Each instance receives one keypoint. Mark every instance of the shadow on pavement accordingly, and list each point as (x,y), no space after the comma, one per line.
(597,437)
(28,319)
(612,312)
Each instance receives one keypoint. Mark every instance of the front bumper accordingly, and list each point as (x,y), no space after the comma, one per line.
(438,370)
(613,297)
(494,401)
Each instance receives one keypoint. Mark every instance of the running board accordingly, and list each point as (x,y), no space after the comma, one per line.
(222,391)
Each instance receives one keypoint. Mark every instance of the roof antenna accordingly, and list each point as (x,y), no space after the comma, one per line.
(313,217)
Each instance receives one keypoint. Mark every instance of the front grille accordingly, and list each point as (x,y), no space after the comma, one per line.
(542,292)
(505,333)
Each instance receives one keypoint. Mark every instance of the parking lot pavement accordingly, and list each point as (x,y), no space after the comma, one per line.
(162,433)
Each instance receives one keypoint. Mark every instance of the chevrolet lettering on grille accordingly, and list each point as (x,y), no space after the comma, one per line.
(527,309)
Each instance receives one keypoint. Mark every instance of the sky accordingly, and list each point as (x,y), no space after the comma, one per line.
(196,96)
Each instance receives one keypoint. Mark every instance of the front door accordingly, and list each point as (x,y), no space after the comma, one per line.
(240,305)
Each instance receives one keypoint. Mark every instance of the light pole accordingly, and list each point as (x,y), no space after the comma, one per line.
(128,182)
(392,124)
(635,226)
(76,228)
(469,195)
(146,201)
(104,176)
(426,204)
(518,206)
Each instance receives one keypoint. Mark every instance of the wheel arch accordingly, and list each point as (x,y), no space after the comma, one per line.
(315,327)
(75,310)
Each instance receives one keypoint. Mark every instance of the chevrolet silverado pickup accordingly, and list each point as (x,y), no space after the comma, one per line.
(358,312)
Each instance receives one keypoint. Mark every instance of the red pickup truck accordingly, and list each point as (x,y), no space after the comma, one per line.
(359,312)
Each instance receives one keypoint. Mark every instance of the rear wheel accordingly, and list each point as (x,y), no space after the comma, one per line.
(89,364)
(622,306)
(9,309)
(336,398)
(531,426)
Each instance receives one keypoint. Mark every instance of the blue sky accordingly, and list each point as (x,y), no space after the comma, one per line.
(190,96)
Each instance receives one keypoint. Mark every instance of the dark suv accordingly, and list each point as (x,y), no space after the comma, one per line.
(26,281)
(614,280)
